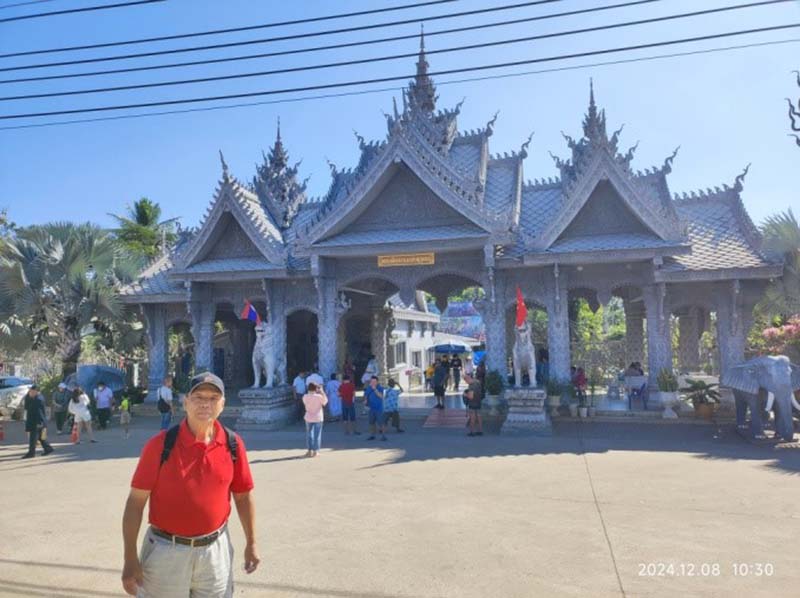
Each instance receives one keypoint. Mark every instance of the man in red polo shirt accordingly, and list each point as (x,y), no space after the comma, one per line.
(187,549)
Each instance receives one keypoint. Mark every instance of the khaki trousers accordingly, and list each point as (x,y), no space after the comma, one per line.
(178,571)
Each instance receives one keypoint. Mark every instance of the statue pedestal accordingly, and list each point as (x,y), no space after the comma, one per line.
(526,411)
(266,408)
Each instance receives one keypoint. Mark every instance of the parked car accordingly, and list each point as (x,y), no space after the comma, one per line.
(12,395)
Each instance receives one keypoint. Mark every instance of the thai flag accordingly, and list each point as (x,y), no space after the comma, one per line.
(249,313)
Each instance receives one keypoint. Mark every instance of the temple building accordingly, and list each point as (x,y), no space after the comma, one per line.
(430,209)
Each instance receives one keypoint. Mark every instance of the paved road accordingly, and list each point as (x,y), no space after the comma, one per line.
(435,514)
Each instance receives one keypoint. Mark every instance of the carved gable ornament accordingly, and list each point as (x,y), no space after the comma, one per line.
(604,180)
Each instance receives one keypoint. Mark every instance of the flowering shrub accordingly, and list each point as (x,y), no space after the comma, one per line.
(783,339)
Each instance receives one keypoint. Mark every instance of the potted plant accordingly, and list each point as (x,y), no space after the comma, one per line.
(668,392)
(494,386)
(554,389)
(704,397)
(573,404)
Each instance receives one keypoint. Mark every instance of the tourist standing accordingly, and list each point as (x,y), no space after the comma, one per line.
(334,400)
(104,399)
(60,403)
(429,376)
(189,474)
(439,378)
(347,392)
(374,394)
(348,369)
(165,405)
(446,363)
(299,391)
(391,404)
(455,368)
(314,400)
(474,400)
(370,371)
(81,414)
(35,422)
(480,373)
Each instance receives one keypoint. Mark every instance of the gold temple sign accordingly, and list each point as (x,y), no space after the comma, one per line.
(406,259)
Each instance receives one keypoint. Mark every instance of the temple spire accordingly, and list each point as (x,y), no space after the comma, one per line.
(422,89)
(277,155)
(594,123)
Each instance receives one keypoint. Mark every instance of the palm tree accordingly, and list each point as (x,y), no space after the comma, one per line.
(59,283)
(141,230)
(781,234)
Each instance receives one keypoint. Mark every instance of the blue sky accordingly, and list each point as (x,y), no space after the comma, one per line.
(724,109)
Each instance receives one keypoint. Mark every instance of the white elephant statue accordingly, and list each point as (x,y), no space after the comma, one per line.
(263,356)
(524,354)
(773,376)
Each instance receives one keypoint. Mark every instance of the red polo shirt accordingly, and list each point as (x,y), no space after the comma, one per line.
(190,493)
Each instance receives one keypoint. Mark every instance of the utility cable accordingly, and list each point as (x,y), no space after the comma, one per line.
(381,58)
(355,83)
(74,10)
(281,38)
(393,89)
(229,30)
(332,46)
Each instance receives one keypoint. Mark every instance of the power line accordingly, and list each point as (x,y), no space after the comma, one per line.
(283,37)
(355,83)
(230,30)
(386,89)
(334,46)
(23,3)
(74,10)
(390,57)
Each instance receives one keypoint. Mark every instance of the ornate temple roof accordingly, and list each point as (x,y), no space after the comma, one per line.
(699,236)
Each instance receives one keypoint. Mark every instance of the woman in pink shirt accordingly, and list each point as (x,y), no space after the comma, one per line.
(314,400)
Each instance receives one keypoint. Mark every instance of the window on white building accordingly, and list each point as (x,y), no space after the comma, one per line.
(399,353)
(416,359)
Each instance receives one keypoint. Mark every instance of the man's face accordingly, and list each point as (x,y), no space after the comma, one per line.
(373,383)
(204,404)
(168,382)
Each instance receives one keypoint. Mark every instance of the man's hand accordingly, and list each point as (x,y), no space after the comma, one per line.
(251,559)
(132,578)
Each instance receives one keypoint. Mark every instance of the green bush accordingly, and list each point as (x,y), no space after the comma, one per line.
(667,382)
(699,392)
(554,387)
(494,383)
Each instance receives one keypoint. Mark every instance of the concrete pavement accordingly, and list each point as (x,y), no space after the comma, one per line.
(594,510)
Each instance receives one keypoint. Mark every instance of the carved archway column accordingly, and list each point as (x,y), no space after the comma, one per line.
(558,339)
(203,313)
(275,295)
(659,338)
(155,318)
(733,321)
(634,331)
(382,323)
(327,322)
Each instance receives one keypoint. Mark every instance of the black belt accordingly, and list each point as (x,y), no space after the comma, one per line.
(196,541)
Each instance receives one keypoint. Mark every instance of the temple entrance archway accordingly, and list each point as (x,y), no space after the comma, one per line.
(302,348)
(180,353)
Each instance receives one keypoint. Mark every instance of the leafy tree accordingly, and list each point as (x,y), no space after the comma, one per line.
(781,234)
(58,284)
(142,232)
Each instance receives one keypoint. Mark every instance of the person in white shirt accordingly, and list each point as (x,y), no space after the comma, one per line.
(104,399)
(165,405)
(78,407)
(371,370)
(334,400)
(299,390)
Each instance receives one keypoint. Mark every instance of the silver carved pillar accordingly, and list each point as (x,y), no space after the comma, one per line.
(634,332)
(326,321)
(733,322)
(203,313)
(493,313)
(155,317)
(276,316)
(659,338)
(379,336)
(558,328)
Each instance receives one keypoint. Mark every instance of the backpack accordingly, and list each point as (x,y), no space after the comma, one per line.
(172,437)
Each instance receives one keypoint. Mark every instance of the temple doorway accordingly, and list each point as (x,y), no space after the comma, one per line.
(302,348)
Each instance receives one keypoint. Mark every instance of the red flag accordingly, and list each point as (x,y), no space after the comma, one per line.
(522,310)
(249,313)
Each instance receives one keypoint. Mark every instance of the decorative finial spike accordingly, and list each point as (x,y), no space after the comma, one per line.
(225,173)
(739,182)
(278,138)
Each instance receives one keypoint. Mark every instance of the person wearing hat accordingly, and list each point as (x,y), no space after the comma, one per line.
(60,403)
(187,549)
(35,422)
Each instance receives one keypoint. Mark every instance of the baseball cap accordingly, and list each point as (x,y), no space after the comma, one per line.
(61,385)
(207,378)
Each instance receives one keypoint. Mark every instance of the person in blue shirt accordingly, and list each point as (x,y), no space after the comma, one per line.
(374,394)
(391,405)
